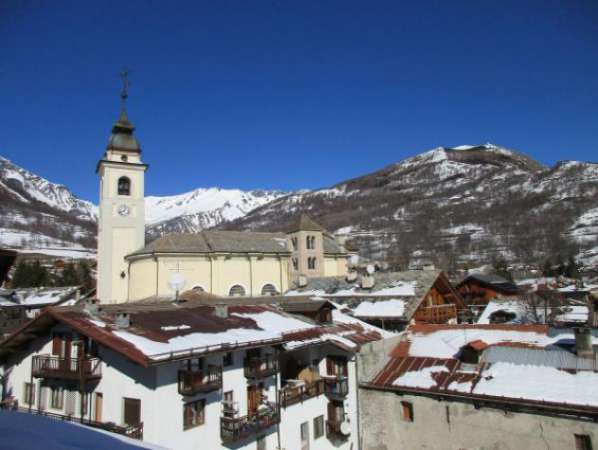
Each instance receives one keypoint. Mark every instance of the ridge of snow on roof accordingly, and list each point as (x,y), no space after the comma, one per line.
(517,362)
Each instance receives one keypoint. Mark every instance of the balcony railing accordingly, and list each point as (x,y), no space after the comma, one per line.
(193,382)
(290,395)
(132,431)
(334,429)
(261,366)
(234,429)
(337,388)
(46,366)
(436,314)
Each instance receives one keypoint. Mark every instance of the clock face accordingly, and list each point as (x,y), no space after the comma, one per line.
(124,210)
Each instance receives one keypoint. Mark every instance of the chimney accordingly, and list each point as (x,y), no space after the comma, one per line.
(221,311)
(302,281)
(366,281)
(122,320)
(91,307)
(583,342)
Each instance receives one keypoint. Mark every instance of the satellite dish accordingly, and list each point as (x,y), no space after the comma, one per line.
(346,428)
(370,269)
(177,281)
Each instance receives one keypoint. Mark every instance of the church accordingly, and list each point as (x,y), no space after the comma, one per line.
(224,263)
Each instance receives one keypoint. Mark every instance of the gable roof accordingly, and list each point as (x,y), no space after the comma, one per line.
(161,331)
(304,223)
(517,363)
(213,241)
(394,295)
(494,282)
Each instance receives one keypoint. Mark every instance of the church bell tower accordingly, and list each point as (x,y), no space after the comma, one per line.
(121,227)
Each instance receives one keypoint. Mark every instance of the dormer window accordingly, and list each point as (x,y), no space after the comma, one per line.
(124,186)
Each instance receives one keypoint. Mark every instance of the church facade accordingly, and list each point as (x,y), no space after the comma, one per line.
(224,263)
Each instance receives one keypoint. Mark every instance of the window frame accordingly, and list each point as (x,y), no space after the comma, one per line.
(407,414)
(583,442)
(244,291)
(199,416)
(28,393)
(272,291)
(318,425)
(57,397)
(228,359)
(124,189)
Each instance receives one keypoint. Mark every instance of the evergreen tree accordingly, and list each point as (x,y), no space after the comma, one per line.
(85,277)
(39,274)
(70,277)
(572,269)
(501,268)
(22,275)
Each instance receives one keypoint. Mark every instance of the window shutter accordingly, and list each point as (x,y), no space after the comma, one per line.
(330,367)
(56,345)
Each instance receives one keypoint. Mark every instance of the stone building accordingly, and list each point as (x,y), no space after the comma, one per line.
(457,387)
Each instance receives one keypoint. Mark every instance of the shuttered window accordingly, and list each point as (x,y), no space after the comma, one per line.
(583,442)
(193,414)
(318,427)
(132,411)
(29,393)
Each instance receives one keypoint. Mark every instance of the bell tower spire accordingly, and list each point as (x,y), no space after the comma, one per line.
(121,227)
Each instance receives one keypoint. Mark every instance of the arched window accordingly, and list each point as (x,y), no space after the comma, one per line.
(236,291)
(124,186)
(269,289)
(294,243)
(311,242)
(198,289)
(311,263)
(295,263)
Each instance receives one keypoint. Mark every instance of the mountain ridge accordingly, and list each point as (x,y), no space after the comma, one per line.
(461,205)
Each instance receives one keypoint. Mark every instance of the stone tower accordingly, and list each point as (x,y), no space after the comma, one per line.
(121,227)
(306,239)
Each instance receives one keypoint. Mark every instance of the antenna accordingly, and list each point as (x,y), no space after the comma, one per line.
(176,283)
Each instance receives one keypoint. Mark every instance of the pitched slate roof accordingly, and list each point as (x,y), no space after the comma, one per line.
(410,287)
(304,223)
(218,241)
(209,241)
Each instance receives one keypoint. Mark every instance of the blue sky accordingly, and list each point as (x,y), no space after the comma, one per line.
(292,94)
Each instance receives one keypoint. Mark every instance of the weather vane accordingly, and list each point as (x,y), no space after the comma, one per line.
(124,74)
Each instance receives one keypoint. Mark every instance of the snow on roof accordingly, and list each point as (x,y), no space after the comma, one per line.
(26,431)
(447,342)
(384,308)
(43,296)
(517,362)
(264,325)
(338,316)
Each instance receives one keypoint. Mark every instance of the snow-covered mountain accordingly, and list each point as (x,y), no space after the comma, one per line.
(201,209)
(37,214)
(460,206)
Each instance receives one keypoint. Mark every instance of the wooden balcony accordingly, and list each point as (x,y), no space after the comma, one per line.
(436,314)
(56,367)
(235,429)
(261,367)
(290,395)
(193,382)
(337,388)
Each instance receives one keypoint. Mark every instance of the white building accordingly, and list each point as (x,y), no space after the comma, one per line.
(196,373)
